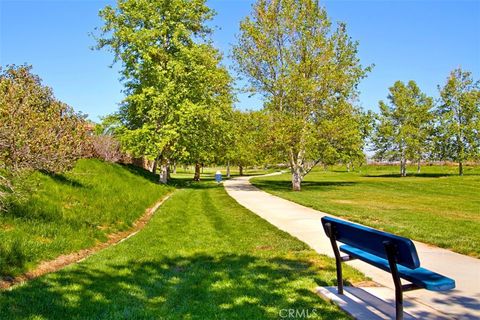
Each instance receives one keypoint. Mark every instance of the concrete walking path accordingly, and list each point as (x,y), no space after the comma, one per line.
(304,223)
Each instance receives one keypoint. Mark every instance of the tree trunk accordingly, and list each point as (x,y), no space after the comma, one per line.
(460,155)
(169,176)
(163,177)
(418,166)
(240,170)
(348,166)
(196,176)
(154,168)
(403,160)
(175,167)
(228,169)
(155,164)
(403,167)
(296,178)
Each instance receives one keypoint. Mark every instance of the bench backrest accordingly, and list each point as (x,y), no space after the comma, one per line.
(372,241)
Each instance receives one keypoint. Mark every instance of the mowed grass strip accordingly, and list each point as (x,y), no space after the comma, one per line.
(69,212)
(435,206)
(202,256)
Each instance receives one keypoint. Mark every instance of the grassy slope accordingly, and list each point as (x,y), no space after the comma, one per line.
(202,256)
(72,211)
(436,206)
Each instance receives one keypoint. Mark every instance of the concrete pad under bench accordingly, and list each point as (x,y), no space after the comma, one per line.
(376,303)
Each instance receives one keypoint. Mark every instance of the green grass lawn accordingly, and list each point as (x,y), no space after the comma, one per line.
(436,206)
(202,256)
(69,212)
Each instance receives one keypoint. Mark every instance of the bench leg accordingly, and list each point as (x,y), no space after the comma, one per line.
(338,263)
(390,250)
(338,259)
(398,302)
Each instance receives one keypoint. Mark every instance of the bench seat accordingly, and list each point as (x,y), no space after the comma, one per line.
(419,276)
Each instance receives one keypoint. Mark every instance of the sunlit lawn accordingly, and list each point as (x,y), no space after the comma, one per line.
(73,211)
(202,256)
(436,206)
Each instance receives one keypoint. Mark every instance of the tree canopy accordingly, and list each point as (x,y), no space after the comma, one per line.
(404,126)
(177,92)
(458,133)
(248,143)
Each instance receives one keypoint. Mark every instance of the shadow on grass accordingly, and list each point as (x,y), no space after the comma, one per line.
(276,185)
(188,183)
(419,175)
(12,258)
(201,286)
(181,183)
(141,172)
(62,179)
(32,210)
(254,173)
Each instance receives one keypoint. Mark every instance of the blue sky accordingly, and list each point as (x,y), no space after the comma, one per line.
(419,40)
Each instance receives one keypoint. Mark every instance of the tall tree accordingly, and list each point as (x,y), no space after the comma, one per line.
(351,140)
(459,118)
(403,127)
(249,138)
(204,134)
(172,76)
(306,70)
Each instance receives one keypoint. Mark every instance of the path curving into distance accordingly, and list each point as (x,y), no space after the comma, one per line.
(304,223)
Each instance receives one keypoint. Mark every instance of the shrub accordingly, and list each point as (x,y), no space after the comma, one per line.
(107,148)
(37,132)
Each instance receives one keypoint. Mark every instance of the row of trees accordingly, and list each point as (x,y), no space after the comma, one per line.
(37,131)
(178,105)
(413,128)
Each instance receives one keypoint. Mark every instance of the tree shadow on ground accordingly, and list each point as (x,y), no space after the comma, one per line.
(254,173)
(62,179)
(278,185)
(200,286)
(141,172)
(181,183)
(419,175)
(188,183)
(467,172)
(31,210)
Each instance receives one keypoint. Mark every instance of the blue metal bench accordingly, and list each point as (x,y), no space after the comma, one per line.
(386,251)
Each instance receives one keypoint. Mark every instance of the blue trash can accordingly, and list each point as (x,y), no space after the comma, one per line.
(218,176)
